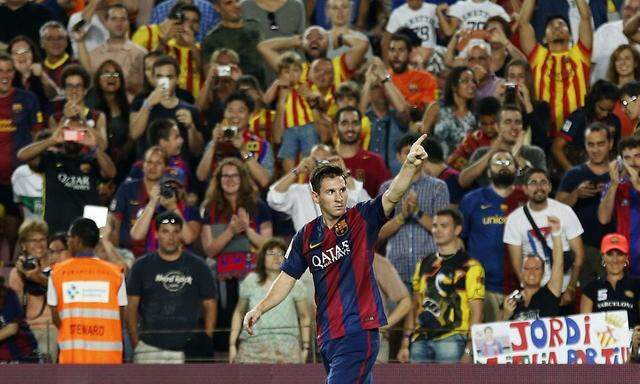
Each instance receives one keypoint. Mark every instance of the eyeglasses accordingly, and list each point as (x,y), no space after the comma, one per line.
(56,39)
(168,221)
(110,75)
(230,176)
(20,52)
(272,19)
(536,183)
(503,163)
(56,251)
(73,86)
(625,103)
(276,253)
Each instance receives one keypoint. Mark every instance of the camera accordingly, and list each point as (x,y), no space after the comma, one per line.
(73,135)
(163,83)
(29,263)
(224,70)
(167,190)
(230,132)
(515,295)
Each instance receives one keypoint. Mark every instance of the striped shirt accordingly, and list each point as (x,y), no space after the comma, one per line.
(261,123)
(297,111)
(561,79)
(412,242)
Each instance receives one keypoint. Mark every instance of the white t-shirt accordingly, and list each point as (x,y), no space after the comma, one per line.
(518,230)
(606,39)
(473,15)
(27,190)
(96,34)
(423,22)
(297,202)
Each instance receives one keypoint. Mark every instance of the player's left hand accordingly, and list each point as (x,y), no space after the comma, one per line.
(417,153)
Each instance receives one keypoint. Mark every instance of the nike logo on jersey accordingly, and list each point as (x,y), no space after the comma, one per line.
(312,246)
(485,206)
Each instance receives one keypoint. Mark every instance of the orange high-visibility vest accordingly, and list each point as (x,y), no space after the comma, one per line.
(90,327)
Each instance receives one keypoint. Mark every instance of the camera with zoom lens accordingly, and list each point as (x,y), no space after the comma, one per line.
(29,263)
(167,190)
(230,132)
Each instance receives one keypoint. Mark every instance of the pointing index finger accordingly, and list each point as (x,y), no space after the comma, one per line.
(420,139)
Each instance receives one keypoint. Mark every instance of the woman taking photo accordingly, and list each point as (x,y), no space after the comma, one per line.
(624,67)
(451,118)
(109,95)
(236,223)
(621,292)
(282,336)
(28,279)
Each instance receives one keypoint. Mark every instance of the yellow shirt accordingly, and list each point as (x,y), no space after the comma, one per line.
(561,79)
(445,287)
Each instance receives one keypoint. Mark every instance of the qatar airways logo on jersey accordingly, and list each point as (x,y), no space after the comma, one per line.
(331,255)
(78,183)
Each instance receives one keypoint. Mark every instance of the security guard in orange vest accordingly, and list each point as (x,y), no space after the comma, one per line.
(87,298)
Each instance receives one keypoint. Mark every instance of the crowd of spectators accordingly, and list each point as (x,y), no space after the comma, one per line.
(210,115)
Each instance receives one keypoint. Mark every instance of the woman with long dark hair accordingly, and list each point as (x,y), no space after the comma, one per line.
(236,224)
(568,147)
(29,74)
(452,117)
(109,95)
(624,67)
(282,336)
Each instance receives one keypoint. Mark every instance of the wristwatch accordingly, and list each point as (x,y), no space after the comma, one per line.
(386,78)
(467,351)
(417,215)
(248,156)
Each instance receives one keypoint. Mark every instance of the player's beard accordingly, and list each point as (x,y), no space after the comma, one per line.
(503,179)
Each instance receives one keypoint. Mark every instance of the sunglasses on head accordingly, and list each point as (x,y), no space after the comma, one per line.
(168,221)
(272,19)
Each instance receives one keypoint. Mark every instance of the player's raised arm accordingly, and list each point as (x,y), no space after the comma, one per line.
(402,181)
(279,290)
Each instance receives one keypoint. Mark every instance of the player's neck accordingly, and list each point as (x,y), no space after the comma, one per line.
(598,169)
(172,256)
(538,206)
(558,46)
(347,150)
(450,248)
(329,221)
(614,278)
(503,191)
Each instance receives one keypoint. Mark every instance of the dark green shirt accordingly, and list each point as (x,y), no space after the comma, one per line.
(243,41)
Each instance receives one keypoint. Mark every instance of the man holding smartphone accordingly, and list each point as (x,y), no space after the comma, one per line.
(71,174)
(581,188)
(622,197)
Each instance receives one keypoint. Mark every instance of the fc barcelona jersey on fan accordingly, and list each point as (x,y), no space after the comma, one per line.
(341,262)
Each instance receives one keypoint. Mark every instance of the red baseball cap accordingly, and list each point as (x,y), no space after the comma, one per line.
(614,241)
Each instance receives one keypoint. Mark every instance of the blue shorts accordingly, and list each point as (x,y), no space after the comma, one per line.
(349,359)
(298,141)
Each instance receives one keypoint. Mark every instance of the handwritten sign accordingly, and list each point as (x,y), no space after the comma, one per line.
(593,338)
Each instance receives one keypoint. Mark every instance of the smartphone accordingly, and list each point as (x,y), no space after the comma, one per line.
(510,93)
(96,213)
(73,135)
(163,83)
(620,163)
(224,70)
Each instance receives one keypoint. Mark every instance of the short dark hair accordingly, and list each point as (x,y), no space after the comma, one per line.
(406,140)
(348,108)
(506,28)
(322,172)
(4,56)
(402,36)
(434,150)
(168,217)
(160,129)
(488,106)
(628,143)
(183,7)
(597,126)
(632,88)
(76,70)
(242,97)
(534,171)
(508,107)
(453,213)
(166,60)
(59,236)
(86,230)
(550,18)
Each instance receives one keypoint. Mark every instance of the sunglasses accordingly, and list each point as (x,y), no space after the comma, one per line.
(168,221)
(631,100)
(110,75)
(503,163)
(272,19)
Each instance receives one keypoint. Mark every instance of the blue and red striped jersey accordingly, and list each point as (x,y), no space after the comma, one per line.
(627,208)
(341,262)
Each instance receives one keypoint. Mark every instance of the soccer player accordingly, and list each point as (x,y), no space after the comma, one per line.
(338,248)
